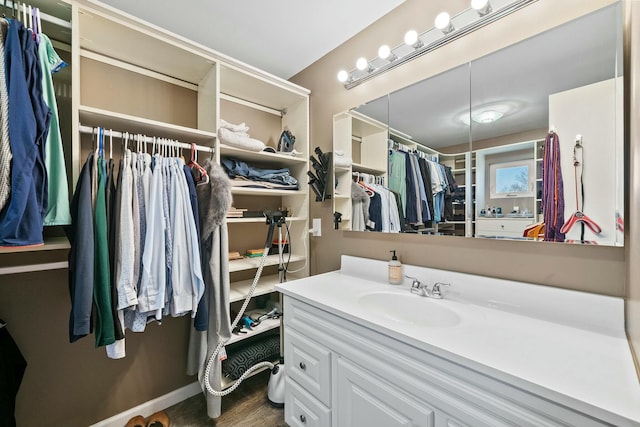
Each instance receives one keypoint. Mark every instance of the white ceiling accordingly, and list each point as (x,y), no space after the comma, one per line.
(282,37)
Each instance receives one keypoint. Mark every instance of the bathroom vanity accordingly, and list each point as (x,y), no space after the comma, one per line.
(361,352)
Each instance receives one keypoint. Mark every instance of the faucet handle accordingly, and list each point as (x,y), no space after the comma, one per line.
(416,283)
(435,290)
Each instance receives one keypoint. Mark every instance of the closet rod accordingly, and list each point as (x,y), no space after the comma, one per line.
(49,18)
(252,104)
(117,134)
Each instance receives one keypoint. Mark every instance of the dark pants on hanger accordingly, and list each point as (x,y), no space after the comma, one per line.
(12,366)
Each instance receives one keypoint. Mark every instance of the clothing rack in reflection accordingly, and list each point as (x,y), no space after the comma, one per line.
(394,145)
(368,178)
(147,139)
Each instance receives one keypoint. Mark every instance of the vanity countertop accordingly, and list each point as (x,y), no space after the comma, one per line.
(545,351)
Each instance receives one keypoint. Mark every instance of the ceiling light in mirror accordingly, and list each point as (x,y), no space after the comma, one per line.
(488,116)
(488,113)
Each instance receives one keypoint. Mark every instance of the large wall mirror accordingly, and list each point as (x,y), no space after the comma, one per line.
(525,143)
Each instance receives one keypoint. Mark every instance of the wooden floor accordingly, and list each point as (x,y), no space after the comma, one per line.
(247,406)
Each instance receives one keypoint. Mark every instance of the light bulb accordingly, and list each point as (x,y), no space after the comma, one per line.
(481,6)
(443,22)
(384,51)
(343,76)
(362,64)
(411,37)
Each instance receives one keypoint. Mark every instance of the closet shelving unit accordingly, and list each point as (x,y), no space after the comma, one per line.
(133,76)
(364,141)
(463,222)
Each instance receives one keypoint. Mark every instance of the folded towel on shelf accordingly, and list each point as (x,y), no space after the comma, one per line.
(339,159)
(240,140)
(242,127)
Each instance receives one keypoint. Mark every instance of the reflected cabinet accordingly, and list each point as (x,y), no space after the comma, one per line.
(524,143)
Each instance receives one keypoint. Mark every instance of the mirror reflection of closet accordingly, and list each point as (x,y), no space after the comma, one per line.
(567,80)
(488,119)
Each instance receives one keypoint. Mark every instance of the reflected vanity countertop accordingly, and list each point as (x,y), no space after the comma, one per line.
(567,346)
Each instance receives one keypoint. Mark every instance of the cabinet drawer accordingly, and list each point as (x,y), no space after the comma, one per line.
(302,410)
(503,227)
(309,364)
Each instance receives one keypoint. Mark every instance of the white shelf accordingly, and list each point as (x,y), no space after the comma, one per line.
(131,41)
(239,290)
(342,169)
(50,244)
(261,220)
(357,167)
(90,116)
(249,191)
(264,90)
(261,156)
(264,326)
(251,263)
(341,196)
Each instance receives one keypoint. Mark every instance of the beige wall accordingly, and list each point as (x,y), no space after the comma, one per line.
(594,269)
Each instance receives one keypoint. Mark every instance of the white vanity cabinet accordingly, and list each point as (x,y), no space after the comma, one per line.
(343,374)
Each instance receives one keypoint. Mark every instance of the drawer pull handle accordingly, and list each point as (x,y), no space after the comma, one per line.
(303,366)
(303,418)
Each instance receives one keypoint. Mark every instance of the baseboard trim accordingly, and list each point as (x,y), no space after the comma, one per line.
(147,408)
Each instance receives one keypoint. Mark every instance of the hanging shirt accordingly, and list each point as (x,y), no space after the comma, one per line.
(188,285)
(81,255)
(127,295)
(153,284)
(101,283)
(397,171)
(58,193)
(21,219)
(411,214)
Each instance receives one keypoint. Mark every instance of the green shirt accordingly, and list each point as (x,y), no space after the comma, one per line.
(58,210)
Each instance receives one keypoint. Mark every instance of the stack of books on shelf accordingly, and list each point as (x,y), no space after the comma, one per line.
(254,253)
(244,213)
(234,255)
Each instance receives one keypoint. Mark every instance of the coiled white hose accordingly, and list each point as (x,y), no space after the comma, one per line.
(221,343)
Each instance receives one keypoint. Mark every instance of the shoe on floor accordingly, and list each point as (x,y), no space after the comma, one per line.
(159,419)
(137,421)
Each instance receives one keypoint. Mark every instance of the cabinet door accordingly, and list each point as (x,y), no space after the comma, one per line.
(362,400)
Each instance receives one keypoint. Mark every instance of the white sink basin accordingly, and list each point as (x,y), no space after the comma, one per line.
(410,309)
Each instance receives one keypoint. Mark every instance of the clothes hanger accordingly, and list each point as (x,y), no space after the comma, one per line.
(110,144)
(578,216)
(201,175)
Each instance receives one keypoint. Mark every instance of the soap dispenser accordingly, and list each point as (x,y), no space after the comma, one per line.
(395,270)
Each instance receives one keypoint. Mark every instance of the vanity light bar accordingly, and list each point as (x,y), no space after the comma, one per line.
(458,26)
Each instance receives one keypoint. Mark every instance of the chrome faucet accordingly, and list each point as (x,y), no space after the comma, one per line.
(423,290)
